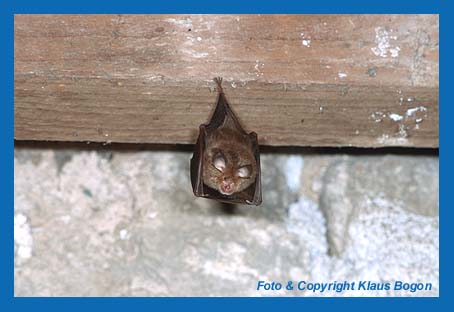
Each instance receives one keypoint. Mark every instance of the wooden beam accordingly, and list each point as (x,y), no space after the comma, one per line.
(302,80)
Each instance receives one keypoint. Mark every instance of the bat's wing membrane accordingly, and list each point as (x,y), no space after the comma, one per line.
(257,186)
(197,163)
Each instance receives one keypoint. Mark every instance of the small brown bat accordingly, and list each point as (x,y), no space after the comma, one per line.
(226,161)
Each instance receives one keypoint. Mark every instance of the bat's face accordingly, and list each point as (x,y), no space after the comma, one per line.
(228,172)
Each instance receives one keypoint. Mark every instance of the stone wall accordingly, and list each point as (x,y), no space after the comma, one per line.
(125,223)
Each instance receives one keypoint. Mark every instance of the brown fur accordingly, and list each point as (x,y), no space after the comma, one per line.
(236,149)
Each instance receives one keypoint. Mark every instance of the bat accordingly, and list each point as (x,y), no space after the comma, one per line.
(226,161)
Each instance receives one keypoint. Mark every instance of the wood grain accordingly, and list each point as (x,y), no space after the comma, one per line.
(299,80)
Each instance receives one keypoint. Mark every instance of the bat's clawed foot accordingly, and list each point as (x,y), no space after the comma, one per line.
(218,81)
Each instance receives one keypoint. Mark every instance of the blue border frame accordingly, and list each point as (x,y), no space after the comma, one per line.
(7,10)
(227,7)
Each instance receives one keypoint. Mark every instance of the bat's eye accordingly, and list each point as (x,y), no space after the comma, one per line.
(244,172)
(219,162)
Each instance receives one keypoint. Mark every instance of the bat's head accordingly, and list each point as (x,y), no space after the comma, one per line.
(229,172)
